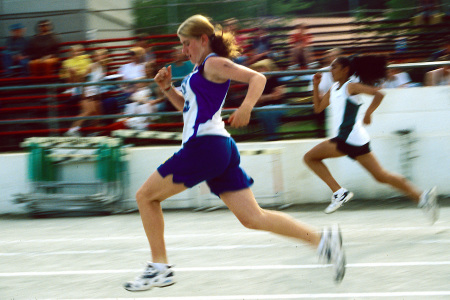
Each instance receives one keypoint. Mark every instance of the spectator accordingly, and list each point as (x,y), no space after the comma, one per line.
(43,50)
(132,70)
(90,106)
(301,52)
(155,92)
(91,103)
(272,97)
(135,68)
(142,42)
(14,54)
(75,68)
(396,79)
(231,25)
(141,103)
(261,47)
(97,70)
(181,66)
(146,99)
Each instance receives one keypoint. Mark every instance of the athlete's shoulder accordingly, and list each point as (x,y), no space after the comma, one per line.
(218,68)
(217,61)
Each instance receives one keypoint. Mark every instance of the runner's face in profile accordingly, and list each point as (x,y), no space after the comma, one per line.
(192,48)
(339,72)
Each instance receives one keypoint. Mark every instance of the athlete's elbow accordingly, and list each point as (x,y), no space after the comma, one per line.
(317,110)
(262,79)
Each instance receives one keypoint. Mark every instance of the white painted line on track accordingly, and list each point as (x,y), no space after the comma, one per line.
(294,296)
(197,248)
(213,235)
(172,249)
(229,268)
(120,238)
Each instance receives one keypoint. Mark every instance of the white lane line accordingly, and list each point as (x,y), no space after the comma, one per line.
(229,268)
(172,249)
(197,248)
(214,235)
(293,296)
(120,238)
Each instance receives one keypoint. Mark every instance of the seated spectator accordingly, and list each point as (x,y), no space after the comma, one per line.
(156,95)
(75,68)
(14,54)
(261,47)
(141,103)
(181,66)
(142,42)
(273,96)
(301,51)
(97,70)
(132,70)
(440,76)
(145,99)
(43,50)
(231,25)
(135,68)
(90,106)
(396,79)
(91,103)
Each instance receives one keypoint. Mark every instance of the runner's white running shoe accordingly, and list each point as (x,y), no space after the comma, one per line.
(428,203)
(338,201)
(330,250)
(152,277)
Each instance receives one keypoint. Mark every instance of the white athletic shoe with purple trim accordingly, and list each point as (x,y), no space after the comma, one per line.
(151,277)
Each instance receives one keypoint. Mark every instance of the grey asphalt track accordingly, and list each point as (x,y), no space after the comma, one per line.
(392,253)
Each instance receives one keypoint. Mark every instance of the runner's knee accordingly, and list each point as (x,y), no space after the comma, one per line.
(144,196)
(252,220)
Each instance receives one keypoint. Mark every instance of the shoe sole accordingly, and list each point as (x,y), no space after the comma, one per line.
(149,288)
(348,198)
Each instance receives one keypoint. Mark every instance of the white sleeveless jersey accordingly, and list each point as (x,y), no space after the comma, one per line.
(203,102)
(347,116)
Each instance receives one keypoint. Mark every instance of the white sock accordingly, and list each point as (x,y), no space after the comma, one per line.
(159,266)
(339,192)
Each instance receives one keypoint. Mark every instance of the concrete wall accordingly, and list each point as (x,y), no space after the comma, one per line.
(116,23)
(66,16)
(425,111)
(70,19)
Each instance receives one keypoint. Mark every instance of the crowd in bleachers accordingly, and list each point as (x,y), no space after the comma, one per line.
(44,55)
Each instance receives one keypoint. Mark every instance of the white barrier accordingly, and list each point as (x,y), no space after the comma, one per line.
(425,111)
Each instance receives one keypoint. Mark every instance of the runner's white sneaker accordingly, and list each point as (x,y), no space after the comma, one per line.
(337,201)
(428,203)
(152,277)
(330,250)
